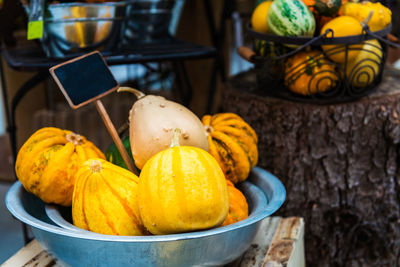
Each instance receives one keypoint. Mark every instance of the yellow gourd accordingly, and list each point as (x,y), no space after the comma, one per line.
(182,189)
(259,17)
(233,143)
(47,162)
(309,73)
(381,17)
(364,69)
(105,199)
(238,207)
(342,26)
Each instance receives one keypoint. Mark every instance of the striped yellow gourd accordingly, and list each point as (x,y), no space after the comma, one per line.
(182,189)
(105,199)
(233,143)
(47,162)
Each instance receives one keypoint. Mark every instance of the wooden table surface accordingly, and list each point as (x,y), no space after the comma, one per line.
(279,242)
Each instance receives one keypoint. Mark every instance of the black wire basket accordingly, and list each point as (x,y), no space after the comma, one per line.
(322,69)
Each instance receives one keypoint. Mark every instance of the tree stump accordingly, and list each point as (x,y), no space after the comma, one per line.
(340,165)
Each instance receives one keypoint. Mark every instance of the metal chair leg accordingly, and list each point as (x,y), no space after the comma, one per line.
(218,38)
(189,88)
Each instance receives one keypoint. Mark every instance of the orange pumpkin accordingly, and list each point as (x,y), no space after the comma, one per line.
(238,207)
(323,7)
(308,73)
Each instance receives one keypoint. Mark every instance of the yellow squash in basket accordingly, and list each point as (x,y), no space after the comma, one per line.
(381,16)
(342,26)
(364,69)
(308,73)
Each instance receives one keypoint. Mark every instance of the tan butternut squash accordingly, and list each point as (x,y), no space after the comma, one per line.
(152,120)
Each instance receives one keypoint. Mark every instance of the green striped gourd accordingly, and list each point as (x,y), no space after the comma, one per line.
(290,18)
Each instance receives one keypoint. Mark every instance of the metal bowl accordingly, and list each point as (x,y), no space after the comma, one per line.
(218,246)
(72,28)
(151,20)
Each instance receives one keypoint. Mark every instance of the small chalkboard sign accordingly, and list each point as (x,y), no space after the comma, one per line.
(87,79)
(84,79)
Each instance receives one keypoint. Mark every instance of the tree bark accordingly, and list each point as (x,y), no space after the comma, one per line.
(339,164)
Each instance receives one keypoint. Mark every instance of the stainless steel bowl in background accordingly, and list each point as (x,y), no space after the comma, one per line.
(73,28)
(214,247)
(151,20)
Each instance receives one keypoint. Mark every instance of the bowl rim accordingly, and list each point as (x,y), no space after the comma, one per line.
(15,207)
(53,213)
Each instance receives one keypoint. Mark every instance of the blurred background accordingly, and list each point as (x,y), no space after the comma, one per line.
(214,29)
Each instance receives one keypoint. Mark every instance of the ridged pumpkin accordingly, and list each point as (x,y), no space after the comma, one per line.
(182,189)
(47,162)
(105,199)
(238,207)
(233,143)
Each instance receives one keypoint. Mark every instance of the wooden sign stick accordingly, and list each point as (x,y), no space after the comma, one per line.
(114,135)
(75,79)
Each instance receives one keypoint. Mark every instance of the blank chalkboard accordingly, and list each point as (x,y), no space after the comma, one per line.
(84,79)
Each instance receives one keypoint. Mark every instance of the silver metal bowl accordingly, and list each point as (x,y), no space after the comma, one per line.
(72,28)
(264,193)
(151,20)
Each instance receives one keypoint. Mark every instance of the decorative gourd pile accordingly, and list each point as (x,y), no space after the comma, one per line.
(310,18)
(180,188)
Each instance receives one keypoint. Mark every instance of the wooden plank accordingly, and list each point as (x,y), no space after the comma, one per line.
(279,242)
(254,256)
(31,255)
(287,246)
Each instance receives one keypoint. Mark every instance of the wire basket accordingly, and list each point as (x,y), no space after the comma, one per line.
(322,69)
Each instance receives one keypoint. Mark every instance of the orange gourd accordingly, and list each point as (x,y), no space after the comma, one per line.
(324,7)
(308,73)
(105,199)
(47,162)
(233,143)
(182,189)
(238,207)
